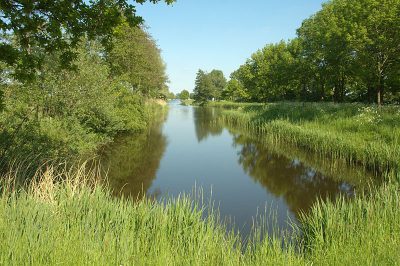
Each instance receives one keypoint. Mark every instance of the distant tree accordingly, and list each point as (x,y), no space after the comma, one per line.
(203,89)
(184,95)
(208,86)
(218,81)
(165,94)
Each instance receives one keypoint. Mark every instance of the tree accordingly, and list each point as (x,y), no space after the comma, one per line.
(184,95)
(219,82)
(41,27)
(266,76)
(165,94)
(234,91)
(203,88)
(136,60)
(374,27)
(348,51)
(208,86)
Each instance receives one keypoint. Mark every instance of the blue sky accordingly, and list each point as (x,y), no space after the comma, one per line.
(219,34)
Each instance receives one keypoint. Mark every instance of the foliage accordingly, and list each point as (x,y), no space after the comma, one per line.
(140,66)
(187,102)
(348,51)
(66,113)
(208,86)
(234,91)
(357,133)
(184,95)
(41,27)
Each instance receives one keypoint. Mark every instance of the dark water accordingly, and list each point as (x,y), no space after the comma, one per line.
(243,176)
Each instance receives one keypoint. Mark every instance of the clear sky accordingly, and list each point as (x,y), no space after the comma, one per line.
(219,34)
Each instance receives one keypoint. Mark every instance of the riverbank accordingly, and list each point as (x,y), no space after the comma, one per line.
(359,134)
(187,102)
(65,217)
(34,140)
(76,221)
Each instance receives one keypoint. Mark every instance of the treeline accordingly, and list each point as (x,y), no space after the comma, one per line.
(209,86)
(64,112)
(347,52)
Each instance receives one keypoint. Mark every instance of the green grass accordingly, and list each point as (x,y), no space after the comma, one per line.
(231,105)
(187,102)
(73,221)
(63,217)
(361,134)
(365,231)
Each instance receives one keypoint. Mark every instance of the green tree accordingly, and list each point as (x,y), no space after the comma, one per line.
(41,27)
(234,91)
(208,86)
(348,51)
(218,81)
(203,88)
(374,26)
(136,60)
(184,95)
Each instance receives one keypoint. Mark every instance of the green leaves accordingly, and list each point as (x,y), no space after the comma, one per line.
(40,27)
(208,86)
(348,51)
(184,95)
(135,60)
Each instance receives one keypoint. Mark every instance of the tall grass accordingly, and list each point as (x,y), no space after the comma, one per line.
(365,135)
(65,218)
(365,231)
(76,222)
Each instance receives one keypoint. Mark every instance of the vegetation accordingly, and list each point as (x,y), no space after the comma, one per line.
(75,74)
(39,28)
(356,133)
(76,222)
(135,59)
(184,95)
(66,112)
(347,52)
(187,102)
(208,86)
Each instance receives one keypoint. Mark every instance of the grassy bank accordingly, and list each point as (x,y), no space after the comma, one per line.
(361,134)
(37,139)
(75,221)
(187,102)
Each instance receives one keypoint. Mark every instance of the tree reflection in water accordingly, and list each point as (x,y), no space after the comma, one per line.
(132,162)
(205,122)
(290,179)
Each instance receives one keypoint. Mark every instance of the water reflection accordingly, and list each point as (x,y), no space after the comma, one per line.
(132,162)
(245,173)
(297,183)
(205,122)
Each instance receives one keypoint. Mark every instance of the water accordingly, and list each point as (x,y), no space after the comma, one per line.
(243,176)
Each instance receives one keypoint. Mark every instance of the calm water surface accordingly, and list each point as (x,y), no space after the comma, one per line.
(244,176)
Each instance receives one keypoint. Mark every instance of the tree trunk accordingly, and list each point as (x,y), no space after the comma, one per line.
(380,91)
(335,93)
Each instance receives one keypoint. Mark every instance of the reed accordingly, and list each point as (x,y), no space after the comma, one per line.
(64,217)
(365,135)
